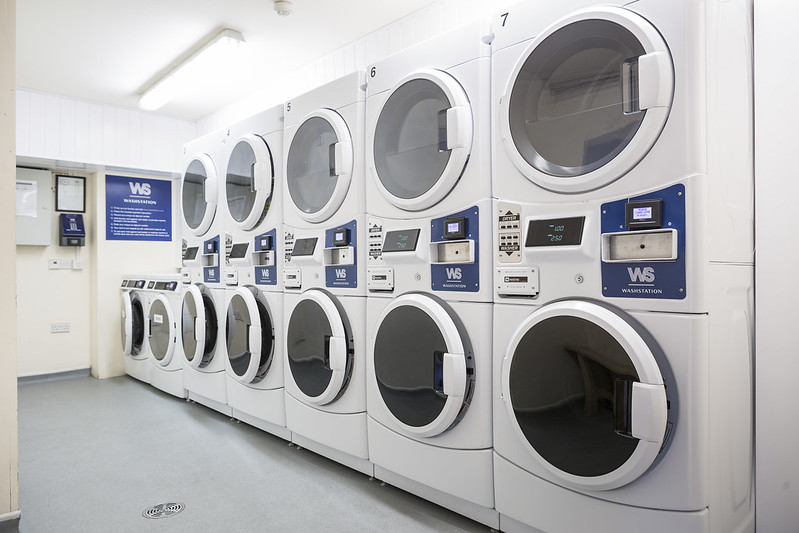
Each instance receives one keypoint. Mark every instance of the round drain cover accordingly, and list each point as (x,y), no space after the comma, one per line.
(163,510)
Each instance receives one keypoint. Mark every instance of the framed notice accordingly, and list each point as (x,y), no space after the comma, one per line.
(70,194)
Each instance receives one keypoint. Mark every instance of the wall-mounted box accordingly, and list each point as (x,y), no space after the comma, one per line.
(34,207)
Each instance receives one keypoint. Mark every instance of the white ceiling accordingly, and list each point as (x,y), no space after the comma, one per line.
(109,51)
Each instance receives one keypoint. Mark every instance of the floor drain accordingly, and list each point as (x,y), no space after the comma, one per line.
(163,510)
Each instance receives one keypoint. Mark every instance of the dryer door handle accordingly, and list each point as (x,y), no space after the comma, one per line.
(340,158)
(454,374)
(646,82)
(335,353)
(459,127)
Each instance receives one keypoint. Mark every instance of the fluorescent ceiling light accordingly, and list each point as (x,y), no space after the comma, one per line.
(208,61)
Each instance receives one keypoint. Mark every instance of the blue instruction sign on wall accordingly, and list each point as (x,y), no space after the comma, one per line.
(138,209)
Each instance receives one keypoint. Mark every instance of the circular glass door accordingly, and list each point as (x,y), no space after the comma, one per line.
(319,348)
(423,367)
(199,326)
(162,336)
(249,181)
(588,100)
(422,140)
(250,335)
(586,395)
(319,165)
(199,192)
(132,324)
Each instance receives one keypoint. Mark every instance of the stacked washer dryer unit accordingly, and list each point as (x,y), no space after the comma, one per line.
(324,271)
(254,299)
(163,299)
(134,346)
(622,169)
(202,311)
(429,266)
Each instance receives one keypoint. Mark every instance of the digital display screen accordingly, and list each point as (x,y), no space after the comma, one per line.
(401,240)
(341,237)
(642,213)
(172,285)
(190,253)
(210,247)
(265,242)
(140,284)
(239,250)
(555,232)
(303,247)
(455,228)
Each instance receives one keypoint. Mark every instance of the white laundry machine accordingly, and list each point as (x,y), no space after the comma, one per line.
(623,266)
(134,347)
(162,319)
(202,337)
(324,272)
(253,296)
(428,138)
(429,272)
(200,188)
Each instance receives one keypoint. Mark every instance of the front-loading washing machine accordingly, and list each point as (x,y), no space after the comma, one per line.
(162,319)
(134,347)
(202,337)
(623,266)
(324,271)
(253,295)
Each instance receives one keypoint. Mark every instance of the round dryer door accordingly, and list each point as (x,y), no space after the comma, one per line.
(423,365)
(199,326)
(586,395)
(319,348)
(132,324)
(319,165)
(588,100)
(250,335)
(249,181)
(162,335)
(199,192)
(422,140)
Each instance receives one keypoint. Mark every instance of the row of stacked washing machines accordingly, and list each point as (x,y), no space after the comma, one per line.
(508,269)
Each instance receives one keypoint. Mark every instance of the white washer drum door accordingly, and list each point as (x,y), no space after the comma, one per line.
(423,367)
(249,181)
(588,100)
(162,335)
(422,140)
(319,165)
(199,192)
(586,395)
(132,324)
(250,336)
(319,348)
(199,326)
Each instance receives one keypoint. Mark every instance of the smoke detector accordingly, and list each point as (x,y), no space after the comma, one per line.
(283,7)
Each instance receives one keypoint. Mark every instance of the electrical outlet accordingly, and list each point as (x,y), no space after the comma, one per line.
(59,327)
(55,264)
(77,264)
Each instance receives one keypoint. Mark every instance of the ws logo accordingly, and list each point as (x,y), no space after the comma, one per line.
(454,273)
(641,275)
(137,188)
(341,273)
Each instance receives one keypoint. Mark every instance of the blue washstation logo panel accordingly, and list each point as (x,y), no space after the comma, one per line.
(343,276)
(266,275)
(461,277)
(138,209)
(212,274)
(647,279)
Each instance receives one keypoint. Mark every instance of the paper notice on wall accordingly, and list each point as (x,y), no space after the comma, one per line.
(27,196)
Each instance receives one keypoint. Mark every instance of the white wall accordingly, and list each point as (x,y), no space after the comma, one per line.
(427,22)
(776,230)
(9,489)
(63,129)
(110,261)
(45,296)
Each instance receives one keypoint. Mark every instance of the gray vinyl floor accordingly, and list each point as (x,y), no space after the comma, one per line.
(94,454)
